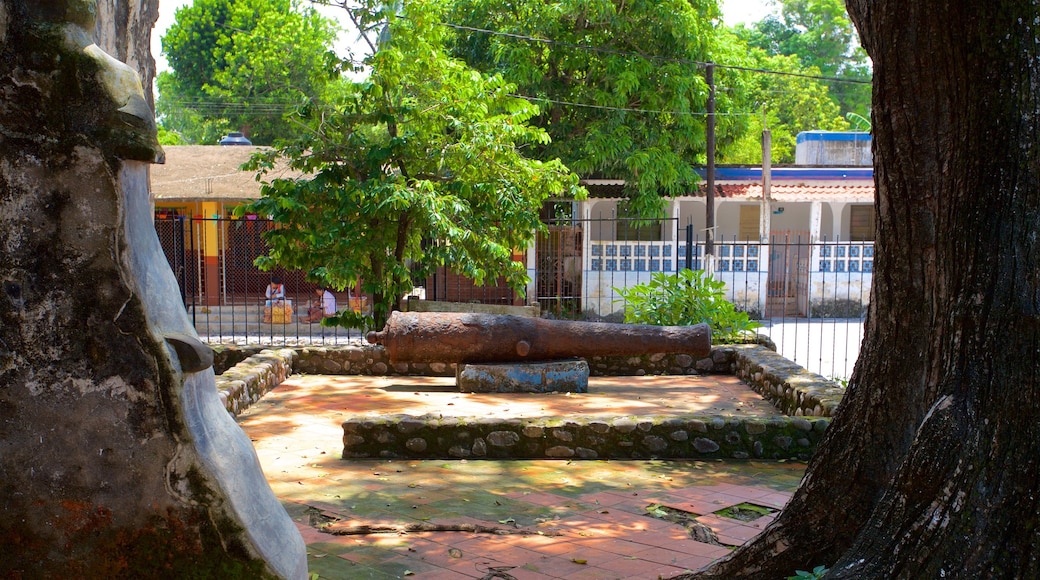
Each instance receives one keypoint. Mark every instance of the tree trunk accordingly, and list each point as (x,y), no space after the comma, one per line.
(124,30)
(929,469)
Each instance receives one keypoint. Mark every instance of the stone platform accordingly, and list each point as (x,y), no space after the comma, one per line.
(675,416)
(594,511)
(693,417)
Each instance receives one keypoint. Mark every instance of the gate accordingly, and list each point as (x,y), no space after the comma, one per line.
(559,265)
(789,254)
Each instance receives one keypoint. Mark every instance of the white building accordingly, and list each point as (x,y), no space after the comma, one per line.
(803,247)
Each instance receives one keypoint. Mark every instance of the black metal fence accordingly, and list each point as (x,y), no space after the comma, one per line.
(810,296)
(224,292)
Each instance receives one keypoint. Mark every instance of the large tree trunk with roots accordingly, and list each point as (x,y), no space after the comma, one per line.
(930,468)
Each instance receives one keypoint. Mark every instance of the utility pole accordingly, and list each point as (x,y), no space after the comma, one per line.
(764,225)
(709,240)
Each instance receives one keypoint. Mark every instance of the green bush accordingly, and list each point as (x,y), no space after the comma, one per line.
(688,298)
(817,572)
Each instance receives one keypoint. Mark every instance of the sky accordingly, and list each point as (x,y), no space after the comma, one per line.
(733,12)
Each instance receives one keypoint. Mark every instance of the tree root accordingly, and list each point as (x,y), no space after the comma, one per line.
(364,529)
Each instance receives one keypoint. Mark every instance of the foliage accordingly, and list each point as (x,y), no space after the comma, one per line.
(858,122)
(167,137)
(419,166)
(817,572)
(689,297)
(241,65)
(785,104)
(820,35)
(610,113)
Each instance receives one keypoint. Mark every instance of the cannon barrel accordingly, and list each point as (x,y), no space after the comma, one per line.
(486,338)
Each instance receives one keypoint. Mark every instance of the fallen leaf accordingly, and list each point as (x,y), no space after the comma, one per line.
(579,561)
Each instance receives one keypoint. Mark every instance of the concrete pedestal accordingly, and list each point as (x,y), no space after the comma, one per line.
(567,376)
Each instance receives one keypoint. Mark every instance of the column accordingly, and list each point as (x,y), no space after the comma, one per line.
(210,255)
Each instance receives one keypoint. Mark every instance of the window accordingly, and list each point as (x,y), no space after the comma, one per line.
(861,223)
(748,231)
(630,228)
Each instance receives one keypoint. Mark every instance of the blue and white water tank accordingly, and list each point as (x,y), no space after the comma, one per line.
(844,148)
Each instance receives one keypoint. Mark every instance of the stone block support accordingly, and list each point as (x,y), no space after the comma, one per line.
(565,376)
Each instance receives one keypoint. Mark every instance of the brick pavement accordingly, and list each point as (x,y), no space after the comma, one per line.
(559,518)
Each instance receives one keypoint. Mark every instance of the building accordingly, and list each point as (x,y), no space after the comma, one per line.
(210,251)
(802,246)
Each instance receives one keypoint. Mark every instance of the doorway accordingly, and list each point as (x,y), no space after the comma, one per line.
(789,253)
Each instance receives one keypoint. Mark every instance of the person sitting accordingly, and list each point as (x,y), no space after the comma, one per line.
(324,306)
(275,291)
(276,308)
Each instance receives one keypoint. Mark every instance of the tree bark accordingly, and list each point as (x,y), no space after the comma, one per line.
(124,30)
(929,469)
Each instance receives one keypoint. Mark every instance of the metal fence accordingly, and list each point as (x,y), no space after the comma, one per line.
(810,296)
(223,291)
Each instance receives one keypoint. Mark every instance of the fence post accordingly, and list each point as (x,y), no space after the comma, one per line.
(689,246)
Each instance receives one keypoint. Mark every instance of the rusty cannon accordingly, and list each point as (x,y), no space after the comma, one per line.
(489,338)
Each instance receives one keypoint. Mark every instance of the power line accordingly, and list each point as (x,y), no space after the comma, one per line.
(631,110)
(280,108)
(236,107)
(697,63)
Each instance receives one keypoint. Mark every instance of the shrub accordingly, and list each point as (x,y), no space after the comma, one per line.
(690,297)
(817,572)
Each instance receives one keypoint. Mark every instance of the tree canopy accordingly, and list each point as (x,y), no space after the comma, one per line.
(819,34)
(787,102)
(242,65)
(621,84)
(420,165)
(623,90)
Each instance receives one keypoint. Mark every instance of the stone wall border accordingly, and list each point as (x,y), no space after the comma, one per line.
(243,384)
(631,437)
(807,400)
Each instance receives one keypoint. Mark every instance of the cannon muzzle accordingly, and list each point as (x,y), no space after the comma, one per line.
(487,338)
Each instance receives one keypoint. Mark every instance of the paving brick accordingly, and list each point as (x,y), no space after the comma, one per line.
(619,540)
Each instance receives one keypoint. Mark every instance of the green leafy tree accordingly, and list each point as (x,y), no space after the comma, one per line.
(820,34)
(242,65)
(786,104)
(421,165)
(632,107)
